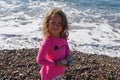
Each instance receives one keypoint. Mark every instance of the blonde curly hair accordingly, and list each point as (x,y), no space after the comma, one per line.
(64,33)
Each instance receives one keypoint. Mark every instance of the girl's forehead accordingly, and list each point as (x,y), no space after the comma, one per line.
(55,16)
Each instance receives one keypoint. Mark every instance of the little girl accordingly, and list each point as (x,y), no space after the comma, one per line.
(54,48)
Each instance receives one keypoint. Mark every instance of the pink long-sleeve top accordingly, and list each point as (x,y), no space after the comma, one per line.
(48,55)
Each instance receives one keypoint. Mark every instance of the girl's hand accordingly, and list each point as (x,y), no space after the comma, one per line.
(62,62)
(57,63)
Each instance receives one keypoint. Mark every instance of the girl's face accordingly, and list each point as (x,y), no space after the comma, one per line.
(55,25)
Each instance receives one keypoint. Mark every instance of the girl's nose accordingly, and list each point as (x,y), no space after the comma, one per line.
(55,25)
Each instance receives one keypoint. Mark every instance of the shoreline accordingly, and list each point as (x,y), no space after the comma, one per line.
(21,65)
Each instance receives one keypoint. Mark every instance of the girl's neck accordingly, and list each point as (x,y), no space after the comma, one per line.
(55,35)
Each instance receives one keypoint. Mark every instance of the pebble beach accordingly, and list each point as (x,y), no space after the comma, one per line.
(94,38)
(21,65)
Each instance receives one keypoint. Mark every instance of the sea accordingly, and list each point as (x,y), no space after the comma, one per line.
(94,24)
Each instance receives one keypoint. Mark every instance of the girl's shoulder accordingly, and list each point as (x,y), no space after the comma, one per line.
(45,39)
(54,39)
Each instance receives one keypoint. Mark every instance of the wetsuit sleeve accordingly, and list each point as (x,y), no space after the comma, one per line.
(43,50)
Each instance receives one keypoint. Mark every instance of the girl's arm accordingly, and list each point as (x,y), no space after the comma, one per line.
(43,50)
(67,52)
(63,62)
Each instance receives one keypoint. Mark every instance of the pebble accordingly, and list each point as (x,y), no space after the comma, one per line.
(21,64)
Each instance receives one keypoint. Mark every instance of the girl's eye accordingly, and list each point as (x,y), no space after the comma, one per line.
(59,24)
(52,23)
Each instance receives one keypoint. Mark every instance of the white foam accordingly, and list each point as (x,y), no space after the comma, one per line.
(88,33)
(4,4)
